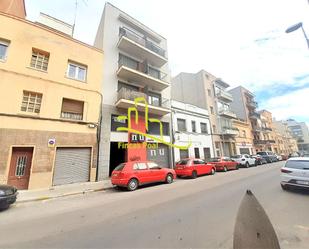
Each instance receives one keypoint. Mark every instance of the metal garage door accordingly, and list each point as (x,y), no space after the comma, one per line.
(159,155)
(72,165)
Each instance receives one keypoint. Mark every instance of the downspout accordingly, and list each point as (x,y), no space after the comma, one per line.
(99,136)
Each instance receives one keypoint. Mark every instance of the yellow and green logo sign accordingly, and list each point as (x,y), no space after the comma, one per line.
(147,120)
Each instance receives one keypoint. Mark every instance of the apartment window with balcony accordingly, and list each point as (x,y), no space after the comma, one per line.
(193,126)
(204,128)
(154,99)
(4,45)
(77,71)
(31,102)
(181,124)
(39,59)
(128,62)
(72,109)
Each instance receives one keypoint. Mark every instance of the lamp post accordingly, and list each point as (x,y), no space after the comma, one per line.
(295,27)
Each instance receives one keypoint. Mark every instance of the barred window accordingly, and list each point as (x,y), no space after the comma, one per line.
(31,102)
(39,59)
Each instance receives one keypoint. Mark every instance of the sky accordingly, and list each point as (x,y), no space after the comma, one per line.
(241,41)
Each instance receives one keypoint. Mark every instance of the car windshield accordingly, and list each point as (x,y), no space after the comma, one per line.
(216,159)
(236,156)
(120,167)
(297,164)
(183,162)
(262,153)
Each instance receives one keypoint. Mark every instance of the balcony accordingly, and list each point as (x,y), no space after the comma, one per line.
(227,113)
(141,47)
(267,141)
(142,74)
(230,131)
(225,96)
(126,99)
(254,115)
(252,104)
(267,129)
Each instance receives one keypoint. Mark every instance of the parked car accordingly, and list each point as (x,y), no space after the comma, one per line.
(294,154)
(279,157)
(259,160)
(285,157)
(193,168)
(244,160)
(268,155)
(295,173)
(136,173)
(7,196)
(223,163)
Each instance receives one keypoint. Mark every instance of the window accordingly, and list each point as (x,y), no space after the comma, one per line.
(140,166)
(184,154)
(209,92)
(206,153)
(77,71)
(211,110)
(214,129)
(181,124)
(193,126)
(31,102)
(152,165)
(197,152)
(72,109)
(154,99)
(39,59)
(3,49)
(204,128)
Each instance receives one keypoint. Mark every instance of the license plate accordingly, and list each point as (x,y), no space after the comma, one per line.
(302,182)
(115,174)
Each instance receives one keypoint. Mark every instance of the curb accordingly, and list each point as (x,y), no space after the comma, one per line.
(43,198)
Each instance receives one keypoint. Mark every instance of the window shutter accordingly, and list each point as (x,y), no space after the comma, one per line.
(72,106)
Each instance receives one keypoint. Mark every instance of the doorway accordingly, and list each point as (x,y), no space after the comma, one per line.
(20,167)
(117,156)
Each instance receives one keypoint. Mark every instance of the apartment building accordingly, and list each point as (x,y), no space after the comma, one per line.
(286,143)
(300,132)
(49,103)
(245,107)
(206,91)
(191,123)
(244,139)
(137,68)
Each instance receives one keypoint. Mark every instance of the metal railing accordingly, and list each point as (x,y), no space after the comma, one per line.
(267,141)
(224,94)
(227,112)
(128,94)
(142,67)
(267,129)
(141,41)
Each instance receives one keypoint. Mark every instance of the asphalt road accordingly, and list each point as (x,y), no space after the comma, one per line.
(197,213)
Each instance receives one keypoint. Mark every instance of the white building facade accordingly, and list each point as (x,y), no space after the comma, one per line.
(191,123)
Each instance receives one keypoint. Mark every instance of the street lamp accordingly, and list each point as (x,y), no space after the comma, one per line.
(295,27)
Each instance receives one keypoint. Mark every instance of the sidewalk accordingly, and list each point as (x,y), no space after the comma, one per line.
(64,190)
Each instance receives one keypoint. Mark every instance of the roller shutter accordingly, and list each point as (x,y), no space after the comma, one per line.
(72,165)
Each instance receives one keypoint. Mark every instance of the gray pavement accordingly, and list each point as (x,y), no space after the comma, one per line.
(189,213)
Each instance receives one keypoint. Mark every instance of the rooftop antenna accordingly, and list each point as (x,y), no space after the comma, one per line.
(75,14)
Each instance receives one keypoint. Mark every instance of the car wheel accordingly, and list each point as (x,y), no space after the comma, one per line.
(213,171)
(4,207)
(169,178)
(194,174)
(225,169)
(247,165)
(132,184)
(237,166)
(285,187)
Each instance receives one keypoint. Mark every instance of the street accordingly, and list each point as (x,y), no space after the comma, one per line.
(189,213)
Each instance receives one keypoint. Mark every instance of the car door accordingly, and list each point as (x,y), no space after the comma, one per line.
(155,172)
(205,169)
(142,172)
(197,166)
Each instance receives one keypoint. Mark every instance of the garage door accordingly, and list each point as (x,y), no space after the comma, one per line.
(72,165)
(159,155)
(244,151)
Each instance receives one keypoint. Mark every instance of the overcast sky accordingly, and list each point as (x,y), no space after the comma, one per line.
(241,41)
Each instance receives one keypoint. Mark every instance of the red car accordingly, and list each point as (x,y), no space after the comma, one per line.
(193,167)
(223,163)
(134,174)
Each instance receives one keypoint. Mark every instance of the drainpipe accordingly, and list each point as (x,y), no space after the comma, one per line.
(99,136)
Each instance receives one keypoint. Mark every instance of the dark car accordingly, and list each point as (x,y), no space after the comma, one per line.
(259,160)
(269,156)
(7,196)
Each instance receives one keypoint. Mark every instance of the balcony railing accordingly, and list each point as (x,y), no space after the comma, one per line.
(129,94)
(227,112)
(254,115)
(224,95)
(266,129)
(73,116)
(141,67)
(267,141)
(130,34)
(228,130)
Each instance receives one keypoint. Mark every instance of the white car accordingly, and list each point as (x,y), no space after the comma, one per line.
(244,160)
(295,173)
